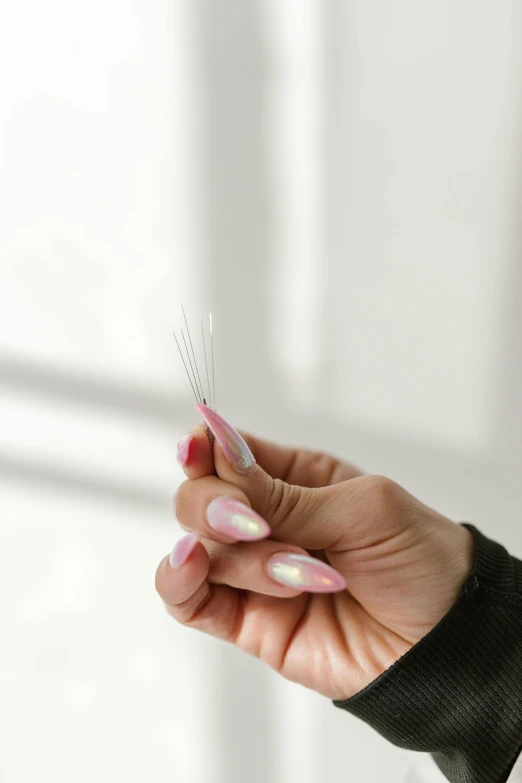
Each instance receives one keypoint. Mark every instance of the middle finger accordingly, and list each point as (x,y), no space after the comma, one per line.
(218,511)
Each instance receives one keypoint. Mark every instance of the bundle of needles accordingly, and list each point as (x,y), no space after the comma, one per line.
(193,375)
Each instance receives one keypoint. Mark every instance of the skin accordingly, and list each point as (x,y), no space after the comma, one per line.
(404,565)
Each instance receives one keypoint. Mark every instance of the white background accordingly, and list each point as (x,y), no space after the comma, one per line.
(340,183)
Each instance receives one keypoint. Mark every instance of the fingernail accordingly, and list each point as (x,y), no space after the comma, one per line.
(181,552)
(231,517)
(234,447)
(184,449)
(306,573)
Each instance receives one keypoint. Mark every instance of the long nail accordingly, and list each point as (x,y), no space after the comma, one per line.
(234,447)
(231,517)
(305,573)
(181,552)
(184,449)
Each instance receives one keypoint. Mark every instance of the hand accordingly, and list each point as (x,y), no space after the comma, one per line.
(403,564)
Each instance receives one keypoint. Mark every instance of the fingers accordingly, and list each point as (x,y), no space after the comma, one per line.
(188,579)
(337,517)
(191,600)
(208,590)
(271,568)
(219,511)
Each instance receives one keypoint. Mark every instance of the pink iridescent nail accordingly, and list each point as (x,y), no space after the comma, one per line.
(234,447)
(305,573)
(184,449)
(183,549)
(231,517)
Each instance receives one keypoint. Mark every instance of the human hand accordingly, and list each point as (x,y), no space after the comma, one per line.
(399,565)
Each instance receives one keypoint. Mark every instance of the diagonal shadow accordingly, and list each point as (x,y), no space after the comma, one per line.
(37,474)
(76,388)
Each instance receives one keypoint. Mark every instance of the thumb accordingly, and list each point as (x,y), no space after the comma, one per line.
(311,518)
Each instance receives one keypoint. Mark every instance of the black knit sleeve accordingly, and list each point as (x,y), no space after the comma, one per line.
(457,694)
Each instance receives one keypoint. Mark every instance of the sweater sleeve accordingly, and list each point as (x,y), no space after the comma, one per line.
(457,694)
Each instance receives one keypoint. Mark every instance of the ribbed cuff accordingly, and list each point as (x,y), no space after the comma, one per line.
(457,694)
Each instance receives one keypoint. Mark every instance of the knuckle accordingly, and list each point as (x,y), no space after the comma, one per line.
(180,498)
(384,493)
(182,504)
(186,611)
(283,500)
(322,467)
(158,580)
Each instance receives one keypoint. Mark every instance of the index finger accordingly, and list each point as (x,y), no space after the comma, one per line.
(195,455)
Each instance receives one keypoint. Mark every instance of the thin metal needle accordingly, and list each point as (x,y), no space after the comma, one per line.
(212,358)
(193,354)
(200,396)
(185,364)
(206,363)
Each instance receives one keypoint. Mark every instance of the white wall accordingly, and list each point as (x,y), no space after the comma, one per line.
(340,183)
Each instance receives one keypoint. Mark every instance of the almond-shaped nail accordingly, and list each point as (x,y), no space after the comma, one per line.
(305,573)
(234,447)
(183,549)
(184,449)
(229,516)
